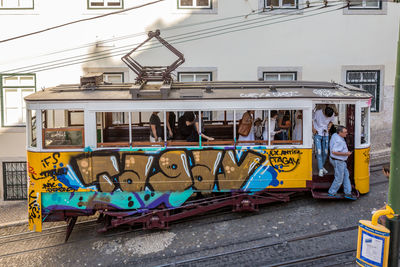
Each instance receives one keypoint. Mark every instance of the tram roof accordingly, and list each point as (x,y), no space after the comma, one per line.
(200,90)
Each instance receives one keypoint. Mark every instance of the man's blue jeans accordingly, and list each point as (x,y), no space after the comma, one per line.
(321,144)
(341,177)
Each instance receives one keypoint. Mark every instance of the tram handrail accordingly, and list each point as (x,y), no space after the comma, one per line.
(289,142)
(204,143)
(113,144)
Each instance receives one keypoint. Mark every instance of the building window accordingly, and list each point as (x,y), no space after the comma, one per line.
(105,4)
(194,76)
(293,4)
(194,4)
(15,180)
(365,4)
(113,77)
(16,4)
(14,89)
(116,77)
(367,80)
(280,76)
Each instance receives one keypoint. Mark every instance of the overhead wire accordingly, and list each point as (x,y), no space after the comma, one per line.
(185,39)
(129,46)
(104,41)
(120,49)
(99,57)
(177,27)
(80,20)
(145,33)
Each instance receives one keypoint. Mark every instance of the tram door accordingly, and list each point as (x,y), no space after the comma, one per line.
(350,125)
(346,117)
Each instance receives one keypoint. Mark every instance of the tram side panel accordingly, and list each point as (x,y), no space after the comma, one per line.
(361,170)
(76,183)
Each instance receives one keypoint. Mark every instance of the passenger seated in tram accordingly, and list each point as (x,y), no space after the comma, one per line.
(258,129)
(170,120)
(189,128)
(298,126)
(284,125)
(196,124)
(246,127)
(273,124)
(156,131)
(186,128)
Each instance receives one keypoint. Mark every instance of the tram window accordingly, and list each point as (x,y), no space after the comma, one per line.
(279,127)
(297,134)
(75,118)
(112,129)
(120,118)
(57,133)
(32,128)
(218,131)
(283,126)
(364,126)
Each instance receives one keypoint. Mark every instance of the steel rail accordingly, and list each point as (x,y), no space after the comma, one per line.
(272,244)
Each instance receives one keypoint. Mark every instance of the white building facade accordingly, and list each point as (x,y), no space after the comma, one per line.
(221,40)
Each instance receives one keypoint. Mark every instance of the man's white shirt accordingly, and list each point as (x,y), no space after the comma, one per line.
(321,122)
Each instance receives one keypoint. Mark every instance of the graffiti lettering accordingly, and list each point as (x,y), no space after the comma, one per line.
(34,208)
(285,160)
(54,173)
(31,170)
(53,187)
(366,156)
(235,173)
(171,170)
(136,168)
(99,170)
(274,94)
(206,164)
(46,161)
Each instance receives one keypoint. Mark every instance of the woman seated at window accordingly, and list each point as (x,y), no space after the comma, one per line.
(156,130)
(246,127)
(274,126)
(284,125)
(188,126)
(298,127)
(196,124)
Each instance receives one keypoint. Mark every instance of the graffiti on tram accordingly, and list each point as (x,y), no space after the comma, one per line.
(168,170)
(147,179)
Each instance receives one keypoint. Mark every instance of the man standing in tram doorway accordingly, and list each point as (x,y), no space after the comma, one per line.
(338,157)
(322,122)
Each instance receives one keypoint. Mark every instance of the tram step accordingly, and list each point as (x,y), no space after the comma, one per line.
(321,185)
(323,194)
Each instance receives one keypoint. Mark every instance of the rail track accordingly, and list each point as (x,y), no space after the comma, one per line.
(244,252)
(82,226)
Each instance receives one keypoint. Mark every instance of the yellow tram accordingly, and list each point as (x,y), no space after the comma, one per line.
(90,148)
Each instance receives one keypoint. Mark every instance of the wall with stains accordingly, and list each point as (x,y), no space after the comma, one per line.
(141,180)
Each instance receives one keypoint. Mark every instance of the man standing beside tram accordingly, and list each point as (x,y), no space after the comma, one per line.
(322,122)
(338,156)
